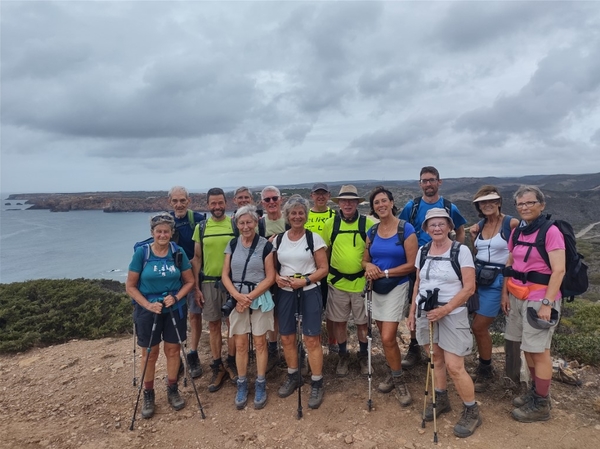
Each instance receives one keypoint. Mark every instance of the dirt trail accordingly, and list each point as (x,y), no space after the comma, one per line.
(585,230)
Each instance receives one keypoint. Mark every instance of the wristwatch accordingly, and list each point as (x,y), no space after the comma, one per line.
(387,273)
(308,281)
(547,302)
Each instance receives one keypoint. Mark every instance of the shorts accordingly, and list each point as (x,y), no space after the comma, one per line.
(341,305)
(191,303)
(452,333)
(144,320)
(239,323)
(214,299)
(390,307)
(518,328)
(312,308)
(490,298)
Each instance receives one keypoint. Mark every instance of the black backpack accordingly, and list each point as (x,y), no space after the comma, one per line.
(417,202)
(235,232)
(399,232)
(266,250)
(504,229)
(454,251)
(362,229)
(576,280)
(310,242)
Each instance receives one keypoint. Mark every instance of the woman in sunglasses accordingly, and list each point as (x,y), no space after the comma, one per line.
(159,278)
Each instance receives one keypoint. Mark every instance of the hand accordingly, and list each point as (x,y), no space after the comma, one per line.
(544,313)
(411,322)
(169,301)
(243,300)
(282,281)
(505,304)
(372,271)
(438,313)
(199,297)
(155,307)
(474,230)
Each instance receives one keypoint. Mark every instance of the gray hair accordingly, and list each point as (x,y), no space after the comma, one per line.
(162,218)
(246,210)
(270,189)
(294,202)
(522,190)
(242,189)
(178,189)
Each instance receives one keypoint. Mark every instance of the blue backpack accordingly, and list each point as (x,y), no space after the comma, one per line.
(175,250)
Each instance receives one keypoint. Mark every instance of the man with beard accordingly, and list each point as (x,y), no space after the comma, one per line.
(185,223)
(211,237)
(414,212)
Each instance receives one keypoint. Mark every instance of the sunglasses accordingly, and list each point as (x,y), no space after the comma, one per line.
(162,217)
(271,198)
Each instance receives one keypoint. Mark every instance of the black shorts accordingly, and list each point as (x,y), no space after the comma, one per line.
(165,330)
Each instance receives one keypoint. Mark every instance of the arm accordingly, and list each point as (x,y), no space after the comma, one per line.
(557,264)
(460,234)
(411,320)
(411,247)
(460,299)
(131,287)
(196,269)
(372,271)
(505,302)
(187,278)
(320,257)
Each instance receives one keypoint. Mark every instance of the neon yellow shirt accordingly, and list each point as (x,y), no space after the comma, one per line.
(216,237)
(316,221)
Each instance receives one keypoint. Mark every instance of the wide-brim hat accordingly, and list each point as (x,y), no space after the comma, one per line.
(537,323)
(489,196)
(437,212)
(348,192)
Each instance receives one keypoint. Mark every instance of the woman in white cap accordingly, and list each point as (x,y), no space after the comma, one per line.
(446,274)
(490,242)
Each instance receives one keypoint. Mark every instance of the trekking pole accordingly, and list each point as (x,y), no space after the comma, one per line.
(186,362)
(250,339)
(368,292)
(435,438)
(134,355)
(144,370)
(299,293)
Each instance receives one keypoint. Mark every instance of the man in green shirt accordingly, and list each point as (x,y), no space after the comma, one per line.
(211,237)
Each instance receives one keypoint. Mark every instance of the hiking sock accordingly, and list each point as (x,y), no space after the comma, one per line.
(292,370)
(438,391)
(149,385)
(193,352)
(485,362)
(542,386)
(332,341)
(316,378)
(171,382)
(260,378)
(230,360)
(363,347)
(397,373)
(272,346)
(242,378)
(469,404)
(343,347)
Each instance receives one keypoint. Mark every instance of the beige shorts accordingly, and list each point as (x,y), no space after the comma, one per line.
(390,307)
(239,323)
(213,301)
(452,333)
(341,305)
(519,329)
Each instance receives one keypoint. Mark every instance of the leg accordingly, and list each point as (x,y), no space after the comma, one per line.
(151,367)
(485,372)
(289,350)
(171,351)
(462,381)
(391,349)
(260,345)
(315,354)
(214,328)
(241,355)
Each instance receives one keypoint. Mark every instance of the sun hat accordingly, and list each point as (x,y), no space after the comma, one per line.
(436,212)
(537,323)
(319,186)
(348,192)
(489,196)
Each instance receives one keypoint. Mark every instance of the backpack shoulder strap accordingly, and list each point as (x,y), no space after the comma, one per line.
(424,250)
(505,230)
(337,222)
(233,244)
(202,230)
(447,206)
(362,227)
(190,214)
(310,241)
(400,232)
(540,241)
(279,239)
(414,210)
(480,225)
(262,228)
(267,250)
(146,254)
(373,231)
(236,231)
(454,252)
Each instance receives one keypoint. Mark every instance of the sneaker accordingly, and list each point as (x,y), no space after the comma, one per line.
(363,361)
(442,405)
(194,365)
(333,348)
(148,406)
(272,360)
(232,371)
(387,385)
(289,385)
(401,392)
(536,409)
(241,397)
(175,400)
(316,394)
(468,422)
(260,394)
(218,377)
(412,357)
(483,377)
(342,366)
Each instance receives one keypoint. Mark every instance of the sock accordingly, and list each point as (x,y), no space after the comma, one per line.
(397,373)
(171,382)
(241,379)
(542,386)
(438,391)
(149,385)
(316,378)
(292,370)
(272,346)
(260,378)
(343,348)
(413,343)
(364,347)
(193,352)
(217,362)
(469,404)
(485,362)
(230,360)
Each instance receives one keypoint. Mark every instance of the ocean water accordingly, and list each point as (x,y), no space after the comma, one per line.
(37,244)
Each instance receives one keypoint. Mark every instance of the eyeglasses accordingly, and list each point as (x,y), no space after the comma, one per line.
(437,225)
(183,201)
(427,181)
(271,198)
(526,204)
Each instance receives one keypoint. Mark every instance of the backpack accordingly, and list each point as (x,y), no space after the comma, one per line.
(190,221)
(362,228)
(504,229)
(235,232)
(454,251)
(262,227)
(576,280)
(175,250)
(415,208)
(309,241)
(266,250)
(400,232)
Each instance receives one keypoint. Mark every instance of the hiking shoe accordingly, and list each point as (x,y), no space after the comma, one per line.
(232,371)
(363,361)
(483,377)
(175,400)
(316,394)
(401,392)
(148,406)
(333,348)
(342,366)
(289,385)
(218,377)
(272,360)
(536,409)
(412,357)
(468,422)
(194,365)
(442,405)
(260,394)
(387,385)
(241,397)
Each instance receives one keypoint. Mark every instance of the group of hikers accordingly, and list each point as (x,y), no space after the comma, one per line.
(279,274)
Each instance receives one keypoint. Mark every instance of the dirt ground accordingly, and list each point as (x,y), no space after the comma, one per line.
(80,395)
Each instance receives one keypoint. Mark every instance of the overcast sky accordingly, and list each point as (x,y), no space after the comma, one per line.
(119,95)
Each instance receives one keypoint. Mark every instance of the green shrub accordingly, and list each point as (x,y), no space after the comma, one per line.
(583,348)
(577,337)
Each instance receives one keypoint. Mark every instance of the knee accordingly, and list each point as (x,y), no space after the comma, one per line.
(214,326)
(260,343)
(388,341)
(287,340)
(312,343)
(455,369)
(241,343)
(195,318)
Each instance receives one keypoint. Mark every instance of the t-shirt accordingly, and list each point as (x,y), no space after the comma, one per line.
(296,258)
(216,236)
(273,226)
(440,274)
(255,272)
(346,253)
(494,250)
(422,236)
(554,240)
(182,226)
(160,275)
(316,221)
(386,253)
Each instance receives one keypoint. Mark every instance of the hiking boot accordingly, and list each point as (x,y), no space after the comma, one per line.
(412,357)
(483,377)
(525,398)
(316,394)
(401,392)
(442,405)
(241,397)
(232,371)
(148,406)
(342,366)
(289,385)
(387,385)
(175,400)
(260,394)
(194,365)
(272,360)
(363,361)
(333,348)
(536,409)
(218,377)
(468,422)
